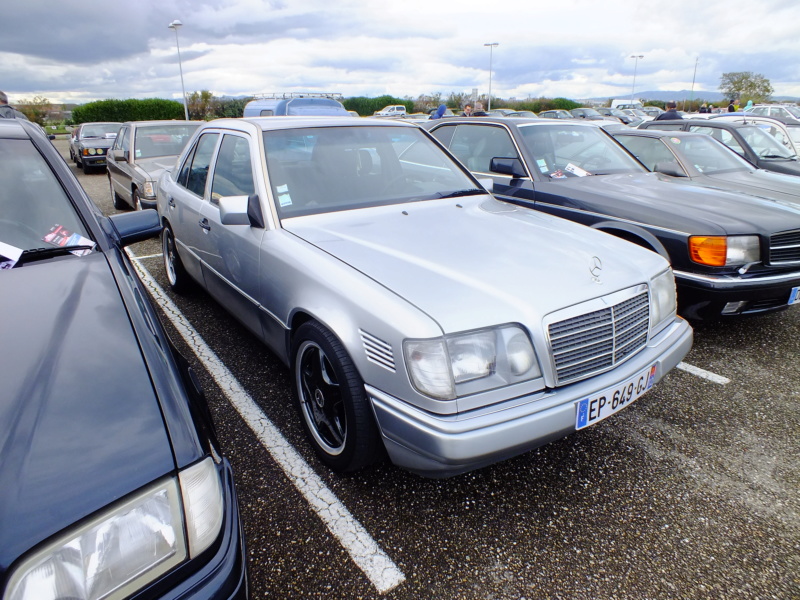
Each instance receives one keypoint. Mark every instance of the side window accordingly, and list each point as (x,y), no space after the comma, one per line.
(444,135)
(477,145)
(233,173)
(722,135)
(195,170)
(649,151)
(124,139)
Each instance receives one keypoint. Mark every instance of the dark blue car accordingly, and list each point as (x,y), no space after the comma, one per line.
(112,483)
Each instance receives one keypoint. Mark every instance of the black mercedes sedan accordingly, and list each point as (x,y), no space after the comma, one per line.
(731,253)
(748,140)
(112,484)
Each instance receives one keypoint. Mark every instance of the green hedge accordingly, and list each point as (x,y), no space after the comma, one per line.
(366,107)
(127,110)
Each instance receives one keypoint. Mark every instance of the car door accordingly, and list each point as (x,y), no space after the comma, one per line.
(185,202)
(231,252)
(120,183)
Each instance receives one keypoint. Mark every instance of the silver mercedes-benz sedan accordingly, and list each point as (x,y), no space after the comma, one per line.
(420,316)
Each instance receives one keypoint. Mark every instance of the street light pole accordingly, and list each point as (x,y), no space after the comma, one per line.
(491,47)
(636,58)
(694,76)
(175,25)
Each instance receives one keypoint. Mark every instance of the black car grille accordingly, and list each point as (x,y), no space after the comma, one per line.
(597,341)
(784,247)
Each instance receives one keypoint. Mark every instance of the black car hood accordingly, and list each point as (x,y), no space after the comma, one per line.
(665,202)
(768,184)
(81,425)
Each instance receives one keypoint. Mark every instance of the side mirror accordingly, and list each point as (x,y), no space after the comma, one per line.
(132,227)
(119,155)
(240,210)
(672,169)
(508,166)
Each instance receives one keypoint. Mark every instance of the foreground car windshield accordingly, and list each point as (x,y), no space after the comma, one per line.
(35,211)
(162,140)
(564,150)
(317,170)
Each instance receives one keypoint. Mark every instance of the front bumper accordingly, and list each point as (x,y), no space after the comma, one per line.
(706,296)
(441,446)
(94,160)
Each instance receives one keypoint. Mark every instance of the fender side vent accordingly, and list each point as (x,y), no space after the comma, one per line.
(378,351)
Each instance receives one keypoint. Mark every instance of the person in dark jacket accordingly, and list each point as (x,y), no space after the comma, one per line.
(9,112)
(671,112)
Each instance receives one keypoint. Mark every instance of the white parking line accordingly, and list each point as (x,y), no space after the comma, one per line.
(703,373)
(364,550)
(134,257)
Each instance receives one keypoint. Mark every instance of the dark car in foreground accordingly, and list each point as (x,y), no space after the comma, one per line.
(141,152)
(748,140)
(419,316)
(89,144)
(732,253)
(112,484)
(702,160)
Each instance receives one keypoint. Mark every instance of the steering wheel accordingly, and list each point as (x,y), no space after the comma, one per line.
(592,163)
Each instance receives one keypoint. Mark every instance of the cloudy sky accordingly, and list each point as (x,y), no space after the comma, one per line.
(78,51)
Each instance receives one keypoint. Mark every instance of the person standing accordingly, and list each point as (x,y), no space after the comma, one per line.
(671,112)
(9,112)
(479,112)
(467,111)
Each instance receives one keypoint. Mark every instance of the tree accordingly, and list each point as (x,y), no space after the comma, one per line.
(36,110)
(745,85)
(202,105)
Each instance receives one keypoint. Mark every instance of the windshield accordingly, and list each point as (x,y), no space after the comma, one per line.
(35,211)
(794,111)
(708,156)
(162,140)
(565,150)
(764,144)
(99,130)
(794,133)
(328,169)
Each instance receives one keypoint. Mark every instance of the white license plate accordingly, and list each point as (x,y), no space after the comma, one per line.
(603,404)
(794,297)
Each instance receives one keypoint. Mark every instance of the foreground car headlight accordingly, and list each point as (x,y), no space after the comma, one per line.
(469,363)
(663,300)
(127,547)
(722,251)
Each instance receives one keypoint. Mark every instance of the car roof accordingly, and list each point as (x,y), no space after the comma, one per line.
(655,132)
(162,122)
(297,122)
(18,129)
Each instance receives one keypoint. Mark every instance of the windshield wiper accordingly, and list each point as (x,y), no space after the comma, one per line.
(35,254)
(456,194)
(793,157)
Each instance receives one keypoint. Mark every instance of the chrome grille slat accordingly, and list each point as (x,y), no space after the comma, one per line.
(599,340)
(784,247)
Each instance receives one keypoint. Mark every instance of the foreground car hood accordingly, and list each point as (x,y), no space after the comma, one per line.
(768,184)
(476,261)
(666,202)
(81,424)
(153,167)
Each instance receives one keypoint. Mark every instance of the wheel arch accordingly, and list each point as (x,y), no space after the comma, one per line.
(637,235)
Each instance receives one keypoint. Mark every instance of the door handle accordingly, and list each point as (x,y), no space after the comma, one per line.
(204,224)
(171,202)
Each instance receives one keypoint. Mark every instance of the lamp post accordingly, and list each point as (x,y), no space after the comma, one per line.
(636,58)
(175,25)
(491,47)
(694,76)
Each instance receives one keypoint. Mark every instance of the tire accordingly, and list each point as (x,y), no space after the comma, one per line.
(334,408)
(119,203)
(137,204)
(177,277)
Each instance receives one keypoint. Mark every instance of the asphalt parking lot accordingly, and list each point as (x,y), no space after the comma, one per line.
(692,492)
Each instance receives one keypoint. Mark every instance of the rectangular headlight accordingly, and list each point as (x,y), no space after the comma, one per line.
(149,189)
(473,362)
(663,299)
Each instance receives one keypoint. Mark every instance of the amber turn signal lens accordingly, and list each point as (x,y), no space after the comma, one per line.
(708,250)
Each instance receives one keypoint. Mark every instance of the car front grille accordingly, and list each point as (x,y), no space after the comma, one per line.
(784,247)
(598,340)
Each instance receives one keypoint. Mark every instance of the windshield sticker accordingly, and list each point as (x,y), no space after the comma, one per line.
(542,165)
(284,199)
(558,174)
(675,140)
(59,236)
(576,170)
(9,255)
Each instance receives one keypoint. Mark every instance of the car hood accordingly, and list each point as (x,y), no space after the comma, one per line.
(477,261)
(81,423)
(96,142)
(153,167)
(669,203)
(767,184)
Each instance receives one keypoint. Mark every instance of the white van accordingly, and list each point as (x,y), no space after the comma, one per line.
(394,110)
(626,103)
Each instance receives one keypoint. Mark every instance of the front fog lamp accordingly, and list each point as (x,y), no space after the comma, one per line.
(124,549)
(662,298)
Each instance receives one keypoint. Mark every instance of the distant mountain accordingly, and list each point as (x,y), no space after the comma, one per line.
(713,97)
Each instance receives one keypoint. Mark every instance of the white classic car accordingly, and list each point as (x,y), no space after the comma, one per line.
(417,313)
